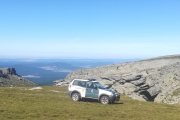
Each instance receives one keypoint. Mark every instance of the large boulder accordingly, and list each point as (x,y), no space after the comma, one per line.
(147,80)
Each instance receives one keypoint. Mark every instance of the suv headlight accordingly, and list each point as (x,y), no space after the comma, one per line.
(116,94)
(112,94)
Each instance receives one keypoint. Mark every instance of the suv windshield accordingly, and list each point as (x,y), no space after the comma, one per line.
(99,85)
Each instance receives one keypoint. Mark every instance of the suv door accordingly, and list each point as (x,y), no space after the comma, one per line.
(91,90)
(79,86)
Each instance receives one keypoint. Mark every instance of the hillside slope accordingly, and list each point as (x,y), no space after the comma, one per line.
(53,103)
(9,78)
(156,79)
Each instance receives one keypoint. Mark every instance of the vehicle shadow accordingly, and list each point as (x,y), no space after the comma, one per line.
(94,100)
(89,100)
(118,103)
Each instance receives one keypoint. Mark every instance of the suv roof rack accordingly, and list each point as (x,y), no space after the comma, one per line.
(92,79)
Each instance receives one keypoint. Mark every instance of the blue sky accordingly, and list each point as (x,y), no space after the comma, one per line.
(103,29)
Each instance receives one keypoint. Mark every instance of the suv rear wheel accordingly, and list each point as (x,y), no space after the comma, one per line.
(104,100)
(75,97)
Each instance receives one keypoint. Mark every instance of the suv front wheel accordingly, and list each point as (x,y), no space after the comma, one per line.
(104,100)
(75,97)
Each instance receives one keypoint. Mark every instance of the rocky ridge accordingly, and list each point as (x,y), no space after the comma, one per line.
(156,79)
(61,82)
(9,78)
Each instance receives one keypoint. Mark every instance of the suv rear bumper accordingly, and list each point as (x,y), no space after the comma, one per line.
(69,93)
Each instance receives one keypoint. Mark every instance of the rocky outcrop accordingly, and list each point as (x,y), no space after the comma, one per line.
(9,78)
(147,80)
(61,82)
(4,72)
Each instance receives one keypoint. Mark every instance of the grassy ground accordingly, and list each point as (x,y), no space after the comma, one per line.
(20,103)
(176,93)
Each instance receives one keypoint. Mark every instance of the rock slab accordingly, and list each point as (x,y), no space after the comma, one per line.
(153,79)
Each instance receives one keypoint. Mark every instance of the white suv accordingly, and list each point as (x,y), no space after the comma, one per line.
(90,88)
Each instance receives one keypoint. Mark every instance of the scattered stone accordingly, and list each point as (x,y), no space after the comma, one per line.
(61,83)
(54,90)
(36,88)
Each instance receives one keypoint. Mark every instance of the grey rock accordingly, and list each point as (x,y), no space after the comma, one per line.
(9,78)
(144,87)
(154,90)
(1,81)
(61,82)
(131,78)
(139,82)
(153,79)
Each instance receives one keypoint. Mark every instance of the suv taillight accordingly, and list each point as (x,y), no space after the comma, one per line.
(69,85)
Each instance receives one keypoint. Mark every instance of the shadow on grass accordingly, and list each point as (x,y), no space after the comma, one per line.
(118,103)
(96,101)
(89,100)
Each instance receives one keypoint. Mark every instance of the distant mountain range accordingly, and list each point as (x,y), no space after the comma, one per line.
(45,71)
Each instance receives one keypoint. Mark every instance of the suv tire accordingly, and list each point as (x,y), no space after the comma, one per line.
(75,97)
(104,100)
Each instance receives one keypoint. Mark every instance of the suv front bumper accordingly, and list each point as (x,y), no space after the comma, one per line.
(114,97)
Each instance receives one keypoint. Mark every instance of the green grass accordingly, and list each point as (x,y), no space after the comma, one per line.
(176,92)
(19,103)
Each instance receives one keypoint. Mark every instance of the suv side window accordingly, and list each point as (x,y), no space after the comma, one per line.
(82,83)
(75,82)
(90,85)
(79,83)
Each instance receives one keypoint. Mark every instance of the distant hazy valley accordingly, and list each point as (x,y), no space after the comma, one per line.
(45,71)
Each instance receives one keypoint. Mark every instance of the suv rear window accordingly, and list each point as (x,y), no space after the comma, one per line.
(79,83)
(75,82)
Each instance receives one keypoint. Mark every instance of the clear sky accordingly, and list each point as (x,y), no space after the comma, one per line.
(112,29)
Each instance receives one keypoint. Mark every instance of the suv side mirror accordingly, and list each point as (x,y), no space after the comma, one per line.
(96,88)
